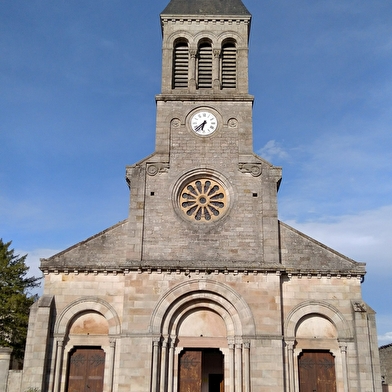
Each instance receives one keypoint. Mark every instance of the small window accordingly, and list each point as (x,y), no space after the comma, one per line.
(229,65)
(204,66)
(180,65)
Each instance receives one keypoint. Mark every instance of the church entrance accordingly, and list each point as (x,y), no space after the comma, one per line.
(201,370)
(316,371)
(86,367)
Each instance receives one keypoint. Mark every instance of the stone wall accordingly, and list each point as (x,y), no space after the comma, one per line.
(386,366)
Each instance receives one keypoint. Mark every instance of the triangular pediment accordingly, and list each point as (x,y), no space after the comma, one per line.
(300,252)
(105,250)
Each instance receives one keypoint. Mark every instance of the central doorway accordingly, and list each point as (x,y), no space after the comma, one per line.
(201,370)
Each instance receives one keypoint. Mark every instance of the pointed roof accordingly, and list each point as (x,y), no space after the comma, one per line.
(206,7)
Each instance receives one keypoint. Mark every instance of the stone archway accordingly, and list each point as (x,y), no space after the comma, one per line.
(182,320)
(313,332)
(89,324)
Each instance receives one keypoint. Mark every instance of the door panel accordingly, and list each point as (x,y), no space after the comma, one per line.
(86,369)
(190,371)
(316,371)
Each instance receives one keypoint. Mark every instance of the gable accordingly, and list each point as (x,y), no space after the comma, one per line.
(105,250)
(301,252)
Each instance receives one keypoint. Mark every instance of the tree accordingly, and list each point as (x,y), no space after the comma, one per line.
(15,299)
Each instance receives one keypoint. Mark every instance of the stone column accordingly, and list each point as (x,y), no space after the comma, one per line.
(5,358)
(290,364)
(238,367)
(192,70)
(155,352)
(215,70)
(343,354)
(112,361)
(58,365)
(231,366)
(246,354)
(163,378)
(170,381)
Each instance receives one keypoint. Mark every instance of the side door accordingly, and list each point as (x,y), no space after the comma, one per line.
(86,366)
(316,371)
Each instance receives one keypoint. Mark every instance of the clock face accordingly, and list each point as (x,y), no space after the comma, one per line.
(204,123)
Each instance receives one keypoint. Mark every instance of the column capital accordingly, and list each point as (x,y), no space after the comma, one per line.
(290,344)
(112,342)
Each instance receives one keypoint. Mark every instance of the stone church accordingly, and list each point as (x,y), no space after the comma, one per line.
(202,288)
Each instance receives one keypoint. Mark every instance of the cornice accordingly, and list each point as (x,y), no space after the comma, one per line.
(184,96)
(240,271)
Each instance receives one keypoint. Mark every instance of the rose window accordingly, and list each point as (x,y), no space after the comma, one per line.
(203,200)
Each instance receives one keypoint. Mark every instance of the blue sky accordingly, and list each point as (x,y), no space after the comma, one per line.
(78,81)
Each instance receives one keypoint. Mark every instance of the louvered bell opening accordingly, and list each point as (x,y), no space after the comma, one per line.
(180,66)
(205,66)
(229,66)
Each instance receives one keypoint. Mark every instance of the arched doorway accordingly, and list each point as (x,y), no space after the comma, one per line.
(201,322)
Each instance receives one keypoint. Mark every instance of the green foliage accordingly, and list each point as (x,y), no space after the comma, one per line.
(15,300)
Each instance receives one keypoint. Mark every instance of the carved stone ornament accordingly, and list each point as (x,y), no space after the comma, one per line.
(155,168)
(233,123)
(252,168)
(175,123)
(359,306)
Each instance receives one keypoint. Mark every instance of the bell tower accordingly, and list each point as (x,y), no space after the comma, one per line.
(208,200)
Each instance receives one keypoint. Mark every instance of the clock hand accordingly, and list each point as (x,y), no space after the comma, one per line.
(201,126)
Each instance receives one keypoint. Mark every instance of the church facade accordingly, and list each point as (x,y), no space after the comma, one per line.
(202,288)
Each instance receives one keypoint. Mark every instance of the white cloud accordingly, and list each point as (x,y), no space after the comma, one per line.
(384,323)
(364,236)
(386,338)
(33,262)
(272,150)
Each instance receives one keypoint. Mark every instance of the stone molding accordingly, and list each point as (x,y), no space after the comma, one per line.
(321,308)
(167,267)
(85,304)
(203,293)
(205,19)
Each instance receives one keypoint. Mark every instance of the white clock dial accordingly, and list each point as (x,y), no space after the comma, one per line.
(204,123)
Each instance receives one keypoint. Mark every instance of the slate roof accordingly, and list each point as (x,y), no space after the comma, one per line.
(206,7)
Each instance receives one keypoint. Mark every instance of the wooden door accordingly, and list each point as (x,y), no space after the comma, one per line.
(316,372)
(86,367)
(190,371)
